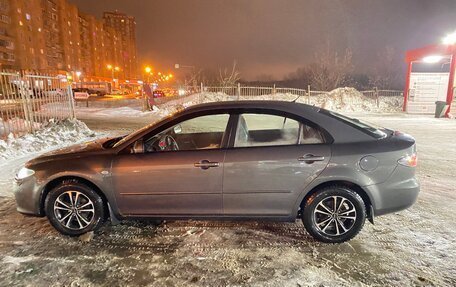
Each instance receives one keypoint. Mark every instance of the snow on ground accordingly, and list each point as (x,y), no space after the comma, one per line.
(415,247)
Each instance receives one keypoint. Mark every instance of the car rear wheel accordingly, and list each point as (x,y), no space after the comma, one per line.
(334,214)
(74,208)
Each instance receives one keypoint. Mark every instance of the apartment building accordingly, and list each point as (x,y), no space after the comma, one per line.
(53,35)
(126,25)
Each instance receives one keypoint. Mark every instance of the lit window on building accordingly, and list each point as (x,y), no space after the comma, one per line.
(19,10)
(20,23)
(41,51)
(71,42)
(27,16)
(39,29)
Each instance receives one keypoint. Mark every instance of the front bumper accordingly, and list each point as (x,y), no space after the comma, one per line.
(27,194)
(399,192)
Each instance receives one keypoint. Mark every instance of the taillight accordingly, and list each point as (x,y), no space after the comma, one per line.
(410,160)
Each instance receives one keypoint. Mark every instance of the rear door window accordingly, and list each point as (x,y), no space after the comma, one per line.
(272,130)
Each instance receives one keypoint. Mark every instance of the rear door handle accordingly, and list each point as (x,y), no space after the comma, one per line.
(205,164)
(310,158)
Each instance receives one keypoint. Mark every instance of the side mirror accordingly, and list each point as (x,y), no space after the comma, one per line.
(138,146)
(177,129)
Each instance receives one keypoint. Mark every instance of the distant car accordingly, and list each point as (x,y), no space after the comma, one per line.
(158,94)
(120,92)
(249,160)
(88,91)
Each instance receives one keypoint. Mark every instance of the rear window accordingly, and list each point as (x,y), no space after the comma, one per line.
(368,128)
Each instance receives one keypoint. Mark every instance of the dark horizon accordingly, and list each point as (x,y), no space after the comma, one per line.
(272,39)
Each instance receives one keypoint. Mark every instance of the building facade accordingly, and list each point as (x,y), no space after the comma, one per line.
(53,35)
(126,25)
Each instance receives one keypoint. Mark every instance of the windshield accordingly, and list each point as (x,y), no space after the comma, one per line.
(133,134)
(371,129)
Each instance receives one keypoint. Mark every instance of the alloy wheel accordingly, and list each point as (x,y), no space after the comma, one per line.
(334,215)
(74,210)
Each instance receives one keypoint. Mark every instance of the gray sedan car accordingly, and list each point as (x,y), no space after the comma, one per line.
(247,160)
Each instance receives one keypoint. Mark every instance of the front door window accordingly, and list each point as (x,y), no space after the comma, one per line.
(204,132)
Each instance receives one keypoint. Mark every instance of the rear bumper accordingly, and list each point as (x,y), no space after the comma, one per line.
(399,192)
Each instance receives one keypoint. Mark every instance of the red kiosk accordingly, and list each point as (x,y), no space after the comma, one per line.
(430,78)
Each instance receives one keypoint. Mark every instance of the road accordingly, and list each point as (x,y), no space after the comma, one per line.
(415,247)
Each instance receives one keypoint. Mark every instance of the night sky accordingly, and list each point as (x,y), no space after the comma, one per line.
(272,37)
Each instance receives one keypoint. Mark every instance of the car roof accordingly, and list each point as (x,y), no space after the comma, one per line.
(292,107)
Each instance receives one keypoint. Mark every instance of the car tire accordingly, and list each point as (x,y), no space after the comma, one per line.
(334,225)
(74,208)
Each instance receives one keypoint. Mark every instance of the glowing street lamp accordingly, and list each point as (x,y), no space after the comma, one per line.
(450,39)
(148,69)
(78,75)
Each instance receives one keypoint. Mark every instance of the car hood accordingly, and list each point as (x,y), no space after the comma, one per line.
(73,151)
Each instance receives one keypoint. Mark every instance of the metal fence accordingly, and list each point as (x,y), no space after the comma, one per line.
(29,100)
(240,92)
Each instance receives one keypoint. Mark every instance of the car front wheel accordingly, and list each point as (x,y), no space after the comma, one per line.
(334,214)
(74,208)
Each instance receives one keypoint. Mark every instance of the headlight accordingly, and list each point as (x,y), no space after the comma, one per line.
(24,173)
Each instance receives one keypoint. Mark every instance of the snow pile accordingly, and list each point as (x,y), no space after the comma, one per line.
(54,134)
(351,100)
(341,99)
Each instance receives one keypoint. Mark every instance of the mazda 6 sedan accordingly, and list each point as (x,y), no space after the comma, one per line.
(245,160)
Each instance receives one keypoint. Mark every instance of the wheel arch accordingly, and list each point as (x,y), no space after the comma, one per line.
(344,183)
(56,181)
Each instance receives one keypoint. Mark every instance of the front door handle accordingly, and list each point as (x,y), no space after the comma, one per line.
(205,164)
(310,158)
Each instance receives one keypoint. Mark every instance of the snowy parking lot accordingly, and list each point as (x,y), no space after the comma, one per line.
(414,247)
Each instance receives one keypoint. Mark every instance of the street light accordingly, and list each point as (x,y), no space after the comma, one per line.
(78,74)
(450,39)
(148,71)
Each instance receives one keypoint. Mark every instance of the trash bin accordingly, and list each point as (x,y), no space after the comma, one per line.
(439,106)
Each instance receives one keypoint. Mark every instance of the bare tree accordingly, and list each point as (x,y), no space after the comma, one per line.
(330,69)
(227,79)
